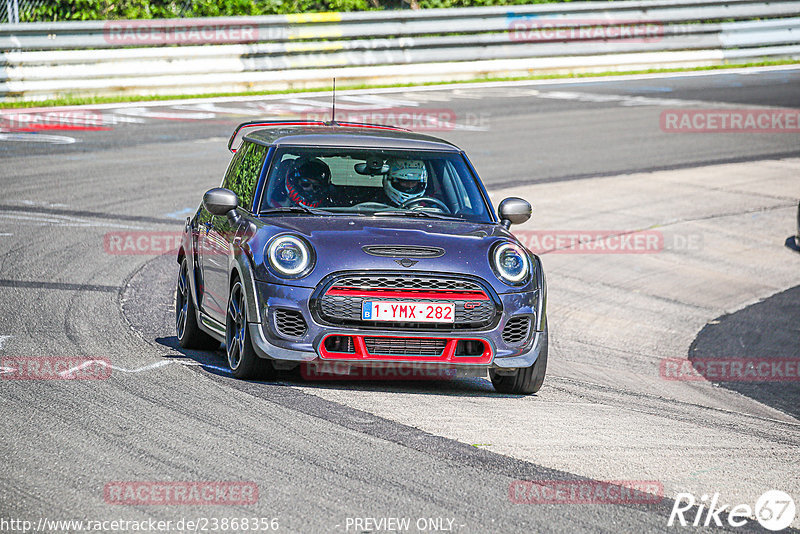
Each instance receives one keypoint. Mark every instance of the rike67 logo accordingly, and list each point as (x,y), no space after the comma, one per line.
(774,510)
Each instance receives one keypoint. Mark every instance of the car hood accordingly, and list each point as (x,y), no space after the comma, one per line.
(338,243)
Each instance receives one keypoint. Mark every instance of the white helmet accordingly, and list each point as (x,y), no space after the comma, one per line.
(407,179)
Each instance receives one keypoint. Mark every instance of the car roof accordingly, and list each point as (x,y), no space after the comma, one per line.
(349,137)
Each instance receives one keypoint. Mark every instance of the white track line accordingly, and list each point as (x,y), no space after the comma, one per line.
(424,88)
(149,367)
(37,138)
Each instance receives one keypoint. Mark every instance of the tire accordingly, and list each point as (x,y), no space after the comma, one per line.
(242,358)
(189,334)
(525,380)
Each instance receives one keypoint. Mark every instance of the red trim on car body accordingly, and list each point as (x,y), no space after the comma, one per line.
(448,355)
(406,294)
(256,124)
(367,125)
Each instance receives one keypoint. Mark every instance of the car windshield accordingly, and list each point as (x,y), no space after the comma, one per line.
(390,183)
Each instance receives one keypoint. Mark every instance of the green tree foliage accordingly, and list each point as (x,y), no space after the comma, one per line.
(244,171)
(159,9)
(428,4)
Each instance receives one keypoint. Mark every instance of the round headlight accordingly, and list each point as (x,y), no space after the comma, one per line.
(511,263)
(289,255)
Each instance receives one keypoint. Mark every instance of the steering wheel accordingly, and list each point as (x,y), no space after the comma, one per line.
(418,200)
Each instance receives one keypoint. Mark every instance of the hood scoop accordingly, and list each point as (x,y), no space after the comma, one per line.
(403,251)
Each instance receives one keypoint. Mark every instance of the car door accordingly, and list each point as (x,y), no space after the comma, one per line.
(241,178)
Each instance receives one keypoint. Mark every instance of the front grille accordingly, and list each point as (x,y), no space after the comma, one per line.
(517,330)
(290,323)
(403,251)
(408,283)
(472,309)
(398,346)
(336,307)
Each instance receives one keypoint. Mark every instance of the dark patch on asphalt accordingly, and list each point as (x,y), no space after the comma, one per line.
(776,88)
(92,214)
(64,286)
(768,329)
(147,306)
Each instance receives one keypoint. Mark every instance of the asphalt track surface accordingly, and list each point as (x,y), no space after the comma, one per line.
(588,154)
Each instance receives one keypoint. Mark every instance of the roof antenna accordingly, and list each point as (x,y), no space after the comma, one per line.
(333,110)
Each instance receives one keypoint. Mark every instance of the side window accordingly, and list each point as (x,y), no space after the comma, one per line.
(233,165)
(243,173)
(455,187)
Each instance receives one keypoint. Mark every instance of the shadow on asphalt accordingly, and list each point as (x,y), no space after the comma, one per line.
(214,362)
(769,329)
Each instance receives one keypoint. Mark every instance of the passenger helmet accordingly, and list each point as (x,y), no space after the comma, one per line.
(308,181)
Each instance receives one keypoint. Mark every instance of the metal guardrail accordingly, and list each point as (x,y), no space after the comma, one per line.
(304,50)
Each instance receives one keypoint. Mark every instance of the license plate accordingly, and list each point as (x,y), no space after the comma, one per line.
(410,312)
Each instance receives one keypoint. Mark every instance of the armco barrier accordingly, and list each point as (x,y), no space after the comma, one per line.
(41,60)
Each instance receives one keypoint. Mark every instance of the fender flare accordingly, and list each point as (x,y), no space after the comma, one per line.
(541,286)
(242,266)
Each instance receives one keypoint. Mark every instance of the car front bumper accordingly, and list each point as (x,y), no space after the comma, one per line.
(309,347)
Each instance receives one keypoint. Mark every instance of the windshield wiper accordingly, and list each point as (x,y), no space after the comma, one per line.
(296,209)
(414,213)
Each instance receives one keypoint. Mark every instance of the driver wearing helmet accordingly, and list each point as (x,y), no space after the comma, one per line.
(406,180)
(308,182)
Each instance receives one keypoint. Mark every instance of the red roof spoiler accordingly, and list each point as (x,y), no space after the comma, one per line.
(255,124)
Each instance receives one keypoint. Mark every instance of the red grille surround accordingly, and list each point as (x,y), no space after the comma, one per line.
(376,293)
(360,352)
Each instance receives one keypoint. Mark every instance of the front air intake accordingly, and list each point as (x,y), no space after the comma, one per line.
(517,330)
(290,323)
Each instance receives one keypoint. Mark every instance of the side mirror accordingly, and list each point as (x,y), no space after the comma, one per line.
(219,201)
(223,202)
(514,210)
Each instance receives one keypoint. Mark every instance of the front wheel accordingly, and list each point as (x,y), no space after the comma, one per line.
(242,358)
(525,380)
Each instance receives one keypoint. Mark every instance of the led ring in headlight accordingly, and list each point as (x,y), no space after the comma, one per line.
(511,263)
(289,255)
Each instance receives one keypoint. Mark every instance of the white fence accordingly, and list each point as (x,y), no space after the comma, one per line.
(191,56)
